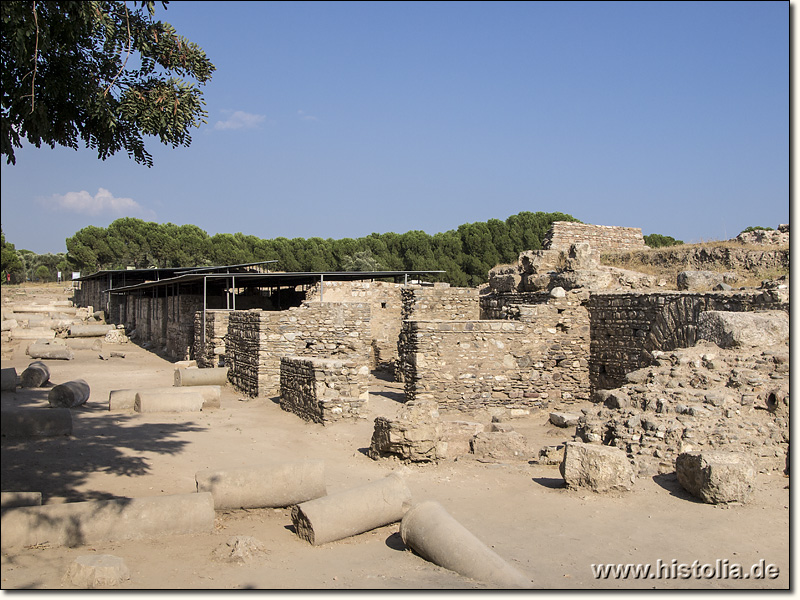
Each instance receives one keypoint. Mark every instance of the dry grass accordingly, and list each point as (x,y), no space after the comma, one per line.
(666,263)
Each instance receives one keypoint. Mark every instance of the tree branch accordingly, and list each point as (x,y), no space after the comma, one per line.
(130,43)
(35,55)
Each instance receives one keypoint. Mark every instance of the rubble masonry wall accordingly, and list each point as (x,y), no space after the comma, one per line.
(539,357)
(323,390)
(211,351)
(601,238)
(386,307)
(626,326)
(257,340)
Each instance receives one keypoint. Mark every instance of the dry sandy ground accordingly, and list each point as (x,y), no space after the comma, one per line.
(521,510)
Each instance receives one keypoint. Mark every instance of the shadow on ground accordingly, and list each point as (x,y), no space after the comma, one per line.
(111,443)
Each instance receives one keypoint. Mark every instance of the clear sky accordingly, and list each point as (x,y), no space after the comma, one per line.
(342,119)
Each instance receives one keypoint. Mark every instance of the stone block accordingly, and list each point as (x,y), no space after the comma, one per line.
(698,280)
(551,455)
(499,445)
(456,437)
(96,571)
(599,468)
(744,329)
(716,477)
(562,419)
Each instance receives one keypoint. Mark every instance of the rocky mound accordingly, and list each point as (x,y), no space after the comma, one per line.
(699,398)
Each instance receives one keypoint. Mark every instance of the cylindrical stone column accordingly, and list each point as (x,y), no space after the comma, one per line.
(150,402)
(35,375)
(216,376)
(82,523)
(269,486)
(125,399)
(431,532)
(69,394)
(351,512)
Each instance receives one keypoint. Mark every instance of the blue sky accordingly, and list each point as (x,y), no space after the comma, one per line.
(342,119)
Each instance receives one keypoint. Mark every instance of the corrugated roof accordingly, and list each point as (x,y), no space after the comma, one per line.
(272,279)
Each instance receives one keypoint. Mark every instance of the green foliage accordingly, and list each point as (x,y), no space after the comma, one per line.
(67,76)
(42,267)
(42,273)
(10,261)
(466,254)
(757,228)
(361,261)
(655,240)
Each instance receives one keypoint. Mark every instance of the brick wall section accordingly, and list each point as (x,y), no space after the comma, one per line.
(323,390)
(601,238)
(626,327)
(257,340)
(536,359)
(440,302)
(210,353)
(386,304)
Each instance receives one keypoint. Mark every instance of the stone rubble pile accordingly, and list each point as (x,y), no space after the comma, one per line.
(26,321)
(697,399)
(578,266)
(419,434)
(766,237)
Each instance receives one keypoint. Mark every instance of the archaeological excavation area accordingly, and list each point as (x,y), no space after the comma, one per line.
(568,425)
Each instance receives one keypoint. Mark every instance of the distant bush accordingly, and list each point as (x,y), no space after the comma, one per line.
(757,228)
(656,240)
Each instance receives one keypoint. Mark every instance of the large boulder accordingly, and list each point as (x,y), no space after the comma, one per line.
(749,329)
(457,436)
(599,468)
(415,435)
(716,477)
(703,280)
(500,445)
(505,278)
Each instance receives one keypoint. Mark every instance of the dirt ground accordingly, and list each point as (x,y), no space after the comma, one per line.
(519,509)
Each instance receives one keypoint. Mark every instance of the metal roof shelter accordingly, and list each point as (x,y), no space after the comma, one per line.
(236,280)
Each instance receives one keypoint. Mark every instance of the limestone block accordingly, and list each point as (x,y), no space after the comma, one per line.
(599,468)
(537,262)
(698,280)
(96,571)
(34,333)
(716,477)
(500,445)
(551,455)
(744,329)
(562,419)
(504,278)
(456,437)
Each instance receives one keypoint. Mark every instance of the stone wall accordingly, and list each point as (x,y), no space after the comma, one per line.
(440,302)
(323,390)
(627,327)
(601,238)
(180,325)
(257,340)
(536,357)
(386,308)
(211,351)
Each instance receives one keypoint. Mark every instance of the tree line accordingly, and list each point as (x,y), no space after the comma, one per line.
(466,254)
